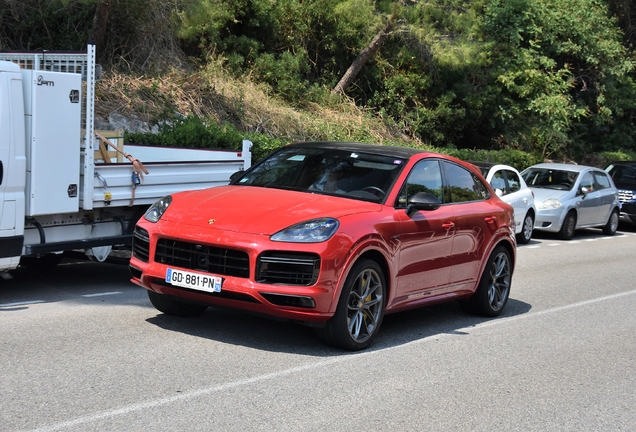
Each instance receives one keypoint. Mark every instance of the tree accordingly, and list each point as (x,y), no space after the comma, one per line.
(100,22)
(368,52)
(555,63)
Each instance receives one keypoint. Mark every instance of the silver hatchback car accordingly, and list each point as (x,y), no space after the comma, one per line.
(569,197)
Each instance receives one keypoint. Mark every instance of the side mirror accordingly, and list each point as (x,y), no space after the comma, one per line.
(236,175)
(422,201)
(499,192)
(583,191)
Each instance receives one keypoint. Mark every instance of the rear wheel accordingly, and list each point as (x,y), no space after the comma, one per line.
(526,232)
(491,295)
(360,309)
(568,227)
(170,306)
(612,224)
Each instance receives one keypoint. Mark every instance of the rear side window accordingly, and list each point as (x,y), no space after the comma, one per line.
(603,182)
(462,185)
(513,181)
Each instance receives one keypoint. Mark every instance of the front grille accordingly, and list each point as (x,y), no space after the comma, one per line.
(287,268)
(141,244)
(626,195)
(195,256)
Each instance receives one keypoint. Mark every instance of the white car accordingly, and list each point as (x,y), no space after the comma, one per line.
(510,187)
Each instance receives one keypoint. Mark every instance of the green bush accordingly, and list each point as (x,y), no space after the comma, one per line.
(194,132)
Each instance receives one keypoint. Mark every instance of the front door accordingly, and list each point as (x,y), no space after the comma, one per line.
(425,239)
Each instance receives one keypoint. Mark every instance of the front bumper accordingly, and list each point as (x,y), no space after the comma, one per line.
(628,207)
(549,220)
(306,299)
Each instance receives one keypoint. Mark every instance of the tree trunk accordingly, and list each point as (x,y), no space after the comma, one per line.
(351,73)
(100,21)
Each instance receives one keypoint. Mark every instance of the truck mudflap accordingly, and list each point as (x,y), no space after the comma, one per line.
(11,246)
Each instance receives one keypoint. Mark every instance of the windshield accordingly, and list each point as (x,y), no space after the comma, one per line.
(550,178)
(326,171)
(623,175)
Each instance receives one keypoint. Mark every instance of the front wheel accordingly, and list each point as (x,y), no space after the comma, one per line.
(612,224)
(170,306)
(494,286)
(360,309)
(568,227)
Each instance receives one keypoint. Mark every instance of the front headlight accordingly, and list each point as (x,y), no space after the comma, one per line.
(313,231)
(154,213)
(548,204)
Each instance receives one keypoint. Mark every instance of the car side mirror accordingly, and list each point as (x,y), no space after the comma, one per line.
(583,191)
(236,175)
(499,192)
(422,201)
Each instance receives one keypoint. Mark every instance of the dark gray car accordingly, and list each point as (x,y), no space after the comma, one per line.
(624,175)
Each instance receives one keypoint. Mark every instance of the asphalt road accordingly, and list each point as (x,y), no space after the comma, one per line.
(82,349)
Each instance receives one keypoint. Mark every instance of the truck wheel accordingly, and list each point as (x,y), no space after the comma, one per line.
(170,306)
(360,309)
(494,286)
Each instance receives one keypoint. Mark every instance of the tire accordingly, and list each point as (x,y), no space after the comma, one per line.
(360,309)
(612,224)
(170,306)
(569,226)
(526,232)
(493,290)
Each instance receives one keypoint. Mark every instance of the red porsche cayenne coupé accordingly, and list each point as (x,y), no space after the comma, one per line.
(334,235)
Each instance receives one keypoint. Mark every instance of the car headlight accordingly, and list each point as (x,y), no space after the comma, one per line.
(313,231)
(551,203)
(154,213)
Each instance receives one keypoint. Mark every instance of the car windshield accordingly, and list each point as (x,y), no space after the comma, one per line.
(550,178)
(623,174)
(346,173)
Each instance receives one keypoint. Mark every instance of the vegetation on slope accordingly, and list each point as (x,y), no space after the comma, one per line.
(549,78)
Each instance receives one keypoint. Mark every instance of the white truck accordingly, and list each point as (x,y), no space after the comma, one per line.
(59,191)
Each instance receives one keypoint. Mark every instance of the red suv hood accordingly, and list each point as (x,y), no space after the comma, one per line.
(257,210)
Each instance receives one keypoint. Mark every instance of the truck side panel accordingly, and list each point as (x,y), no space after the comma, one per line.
(53,117)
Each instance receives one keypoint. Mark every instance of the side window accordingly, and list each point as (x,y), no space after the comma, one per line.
(498,182)
(588,181)
(426,176)
(462,185)
(513,181)
(602,181)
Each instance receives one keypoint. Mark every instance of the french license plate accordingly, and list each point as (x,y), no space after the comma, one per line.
(195,281)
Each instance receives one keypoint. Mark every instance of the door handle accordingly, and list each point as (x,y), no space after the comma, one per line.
(491,219)
(448,225)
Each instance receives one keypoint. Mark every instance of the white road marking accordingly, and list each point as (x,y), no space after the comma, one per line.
(101,294)
(285,372)
(23,303)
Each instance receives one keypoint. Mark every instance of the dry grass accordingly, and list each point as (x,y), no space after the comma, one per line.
(249,107)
